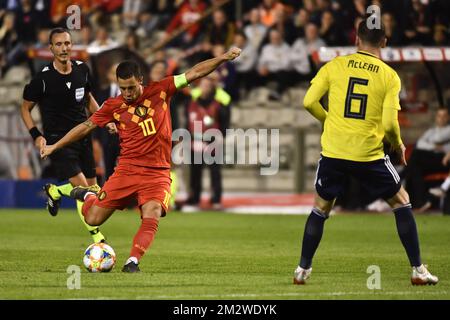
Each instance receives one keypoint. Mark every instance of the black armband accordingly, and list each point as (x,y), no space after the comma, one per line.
(35,133)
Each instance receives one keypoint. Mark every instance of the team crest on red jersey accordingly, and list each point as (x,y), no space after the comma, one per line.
(140,111)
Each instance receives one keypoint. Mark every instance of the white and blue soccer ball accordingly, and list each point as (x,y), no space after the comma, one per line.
(99,257)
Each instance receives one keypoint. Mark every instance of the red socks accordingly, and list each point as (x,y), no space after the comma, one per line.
(88,202)
(144,237)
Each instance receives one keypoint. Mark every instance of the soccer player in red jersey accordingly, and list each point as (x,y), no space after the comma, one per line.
(142,116)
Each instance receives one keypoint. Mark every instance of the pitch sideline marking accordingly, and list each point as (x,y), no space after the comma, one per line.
(293,294)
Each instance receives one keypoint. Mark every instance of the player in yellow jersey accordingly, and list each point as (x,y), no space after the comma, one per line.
(363,95)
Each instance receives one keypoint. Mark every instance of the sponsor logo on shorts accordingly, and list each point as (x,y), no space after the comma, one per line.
(102,195)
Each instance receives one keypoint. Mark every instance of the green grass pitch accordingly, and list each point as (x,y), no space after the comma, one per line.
(209,256)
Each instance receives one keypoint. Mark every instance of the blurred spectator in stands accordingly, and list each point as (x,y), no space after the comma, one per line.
(208,110)
(86,36)
(312,40)
(419,21)
(219,93)
(26,22)
(158,70)
(220,30)
(8,5)
(42,39)
(285,25)
(255,31)
(360,7)
(273,64)
(132,42)
(440,35)
(187,16)
(199,52)
(131,10)
(322,7)
(226,73)
(171,63)
(156,16)
(8,41)
(353,31)
(268,10)
(42,43)
(245,64)
(42,8)
(110,6)
(330,31)
(102,41)
(314,13)
(393,33)
(105,11)
(231,8)
(249,5)
(300,61)
(301,19)
(426,158)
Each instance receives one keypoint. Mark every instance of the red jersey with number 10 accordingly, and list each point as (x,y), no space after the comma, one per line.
(145,128)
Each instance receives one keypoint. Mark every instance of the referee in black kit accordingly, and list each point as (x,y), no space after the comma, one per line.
(62,89)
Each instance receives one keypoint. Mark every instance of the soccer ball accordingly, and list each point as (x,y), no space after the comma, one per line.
(99,257)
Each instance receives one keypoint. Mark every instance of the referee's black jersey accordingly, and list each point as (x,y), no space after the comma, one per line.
(62,98)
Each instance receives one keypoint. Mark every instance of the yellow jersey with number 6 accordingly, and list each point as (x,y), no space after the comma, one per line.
(360,86)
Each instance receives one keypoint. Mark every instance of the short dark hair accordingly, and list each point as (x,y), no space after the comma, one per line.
(374,37)
(55,31)
(127,69)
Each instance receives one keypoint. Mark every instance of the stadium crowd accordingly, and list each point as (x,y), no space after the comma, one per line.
(266,29)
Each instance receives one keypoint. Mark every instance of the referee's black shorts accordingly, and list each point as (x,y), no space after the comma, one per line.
(69,161)
(378,178)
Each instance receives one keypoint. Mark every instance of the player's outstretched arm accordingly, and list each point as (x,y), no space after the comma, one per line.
(206,67)
(73,135)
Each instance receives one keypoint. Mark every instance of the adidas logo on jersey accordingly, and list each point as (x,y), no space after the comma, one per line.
(68,84)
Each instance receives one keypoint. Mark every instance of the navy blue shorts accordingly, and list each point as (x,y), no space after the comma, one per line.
(378,178)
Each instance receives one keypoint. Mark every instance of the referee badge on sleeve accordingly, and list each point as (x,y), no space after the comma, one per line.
(79,94)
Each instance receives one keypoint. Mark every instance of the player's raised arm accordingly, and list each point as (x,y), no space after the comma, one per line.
(73,135)
(206,67)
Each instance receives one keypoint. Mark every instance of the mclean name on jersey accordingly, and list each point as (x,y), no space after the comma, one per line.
(363,65)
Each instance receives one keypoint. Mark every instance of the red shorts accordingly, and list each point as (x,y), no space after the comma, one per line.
(130,183)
